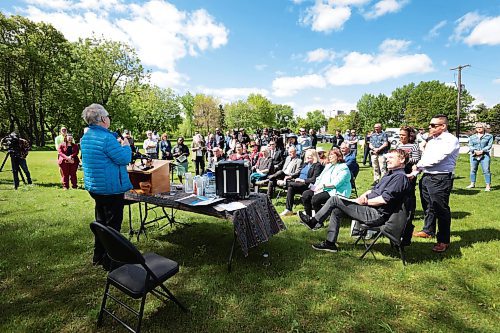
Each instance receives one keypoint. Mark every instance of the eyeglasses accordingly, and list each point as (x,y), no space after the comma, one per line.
(434,125)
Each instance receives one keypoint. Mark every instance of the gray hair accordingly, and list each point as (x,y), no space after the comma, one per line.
(93,114)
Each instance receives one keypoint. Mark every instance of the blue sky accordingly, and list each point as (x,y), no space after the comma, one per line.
(321,54)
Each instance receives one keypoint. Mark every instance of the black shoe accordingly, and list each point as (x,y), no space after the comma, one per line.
(324,246)
(306,220)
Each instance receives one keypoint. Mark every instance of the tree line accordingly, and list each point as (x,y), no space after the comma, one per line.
(46,81)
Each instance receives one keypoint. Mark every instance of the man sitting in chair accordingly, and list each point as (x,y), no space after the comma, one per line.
(373,207)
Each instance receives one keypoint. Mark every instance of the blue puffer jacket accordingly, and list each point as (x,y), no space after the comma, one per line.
(104,162)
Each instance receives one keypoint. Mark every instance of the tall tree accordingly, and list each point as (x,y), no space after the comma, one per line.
(206,112)
(187,102)
(283,116)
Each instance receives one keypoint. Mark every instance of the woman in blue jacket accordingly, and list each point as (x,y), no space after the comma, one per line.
(105,159)
(479,148)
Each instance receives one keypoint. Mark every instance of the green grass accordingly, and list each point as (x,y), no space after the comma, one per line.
(48,284)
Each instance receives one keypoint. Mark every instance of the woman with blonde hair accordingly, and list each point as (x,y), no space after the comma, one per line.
(335,179)
(310,169)
(479,149)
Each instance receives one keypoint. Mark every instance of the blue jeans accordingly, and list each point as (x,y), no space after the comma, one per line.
(485,166)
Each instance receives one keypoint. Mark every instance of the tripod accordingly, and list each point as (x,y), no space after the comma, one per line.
(20,169)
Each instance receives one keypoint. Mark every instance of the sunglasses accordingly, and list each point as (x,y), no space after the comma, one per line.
(434,125)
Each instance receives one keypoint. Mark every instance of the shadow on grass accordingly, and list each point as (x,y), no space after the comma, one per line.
(465,191)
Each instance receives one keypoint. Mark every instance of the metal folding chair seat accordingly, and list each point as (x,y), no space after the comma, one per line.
(136,277)
(395,229)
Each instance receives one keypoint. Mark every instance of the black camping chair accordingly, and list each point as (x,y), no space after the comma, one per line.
(398,229)
(138,276)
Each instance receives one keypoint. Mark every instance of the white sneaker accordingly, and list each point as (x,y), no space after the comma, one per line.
(471,186)
(488,189)
(286,212)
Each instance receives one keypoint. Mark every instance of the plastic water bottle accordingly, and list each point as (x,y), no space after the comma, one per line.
(210,187)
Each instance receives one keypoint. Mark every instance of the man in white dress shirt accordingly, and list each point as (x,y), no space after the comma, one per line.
(437,164)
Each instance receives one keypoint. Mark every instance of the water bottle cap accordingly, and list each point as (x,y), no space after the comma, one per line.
(209,173)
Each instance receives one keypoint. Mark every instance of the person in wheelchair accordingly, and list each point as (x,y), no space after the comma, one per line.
(373,207)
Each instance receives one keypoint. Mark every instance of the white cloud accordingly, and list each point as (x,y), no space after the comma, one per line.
(320,55)
(260,67)
(328,107)
(496,81)
(385,7)
(391,46)
(169,79)
(325,17)
(349,2)
(54,4)
(359,68)
(465,24)
(290,85)
(487,32)
(228,95)
(434,32)
(160,33)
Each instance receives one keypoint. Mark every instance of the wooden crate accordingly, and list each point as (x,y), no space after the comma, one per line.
(158,176)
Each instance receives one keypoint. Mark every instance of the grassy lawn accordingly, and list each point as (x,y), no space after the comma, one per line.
(48,284)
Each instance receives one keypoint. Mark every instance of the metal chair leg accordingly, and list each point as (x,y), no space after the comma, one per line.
(103,304)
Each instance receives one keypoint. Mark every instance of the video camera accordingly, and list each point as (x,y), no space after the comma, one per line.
(10,143)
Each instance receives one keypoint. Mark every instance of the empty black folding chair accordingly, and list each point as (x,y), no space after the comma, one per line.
(139,274)
(395,229)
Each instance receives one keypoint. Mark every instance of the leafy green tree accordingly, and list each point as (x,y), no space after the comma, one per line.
(399,103)
(339,122)
(187,102)
(493,119)
(283,116)
(434,97)
(238,115)
(156,109)
(261,111)
(206,112)
(314,119)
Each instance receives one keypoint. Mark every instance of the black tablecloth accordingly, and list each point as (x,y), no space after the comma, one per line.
(253,225)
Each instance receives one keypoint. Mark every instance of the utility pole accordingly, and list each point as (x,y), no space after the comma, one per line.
(459,69)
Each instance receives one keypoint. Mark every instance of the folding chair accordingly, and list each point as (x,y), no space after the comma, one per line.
(138,276)
(397,229)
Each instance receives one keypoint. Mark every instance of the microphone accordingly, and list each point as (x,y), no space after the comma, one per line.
(119,133)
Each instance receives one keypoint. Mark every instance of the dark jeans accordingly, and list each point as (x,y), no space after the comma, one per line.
(435,196)
(199,164)
(339,207)
(366,156)
(314,201)
(109,212)
(292,189)
(16,163)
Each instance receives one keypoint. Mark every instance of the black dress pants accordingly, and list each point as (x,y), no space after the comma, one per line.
(109,212)
(292,189)
(314,201)
(200,165)
(435,196)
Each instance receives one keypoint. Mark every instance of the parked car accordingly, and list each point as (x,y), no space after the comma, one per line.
(463,138)
(327,138)
(393,137)
(320,137)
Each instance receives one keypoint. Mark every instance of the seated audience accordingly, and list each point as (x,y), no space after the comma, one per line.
(239,154)
(254,154)
(373,207)
(276,155)
(290,167)
(350,159)
(311,168)
(218,156)
(262,167)
(304,140)
(335,179)
(292,141)
(323,159)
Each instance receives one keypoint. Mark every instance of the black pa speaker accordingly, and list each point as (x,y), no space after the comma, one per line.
(232,179)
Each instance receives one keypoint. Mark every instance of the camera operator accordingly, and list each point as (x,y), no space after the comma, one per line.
(18,150)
